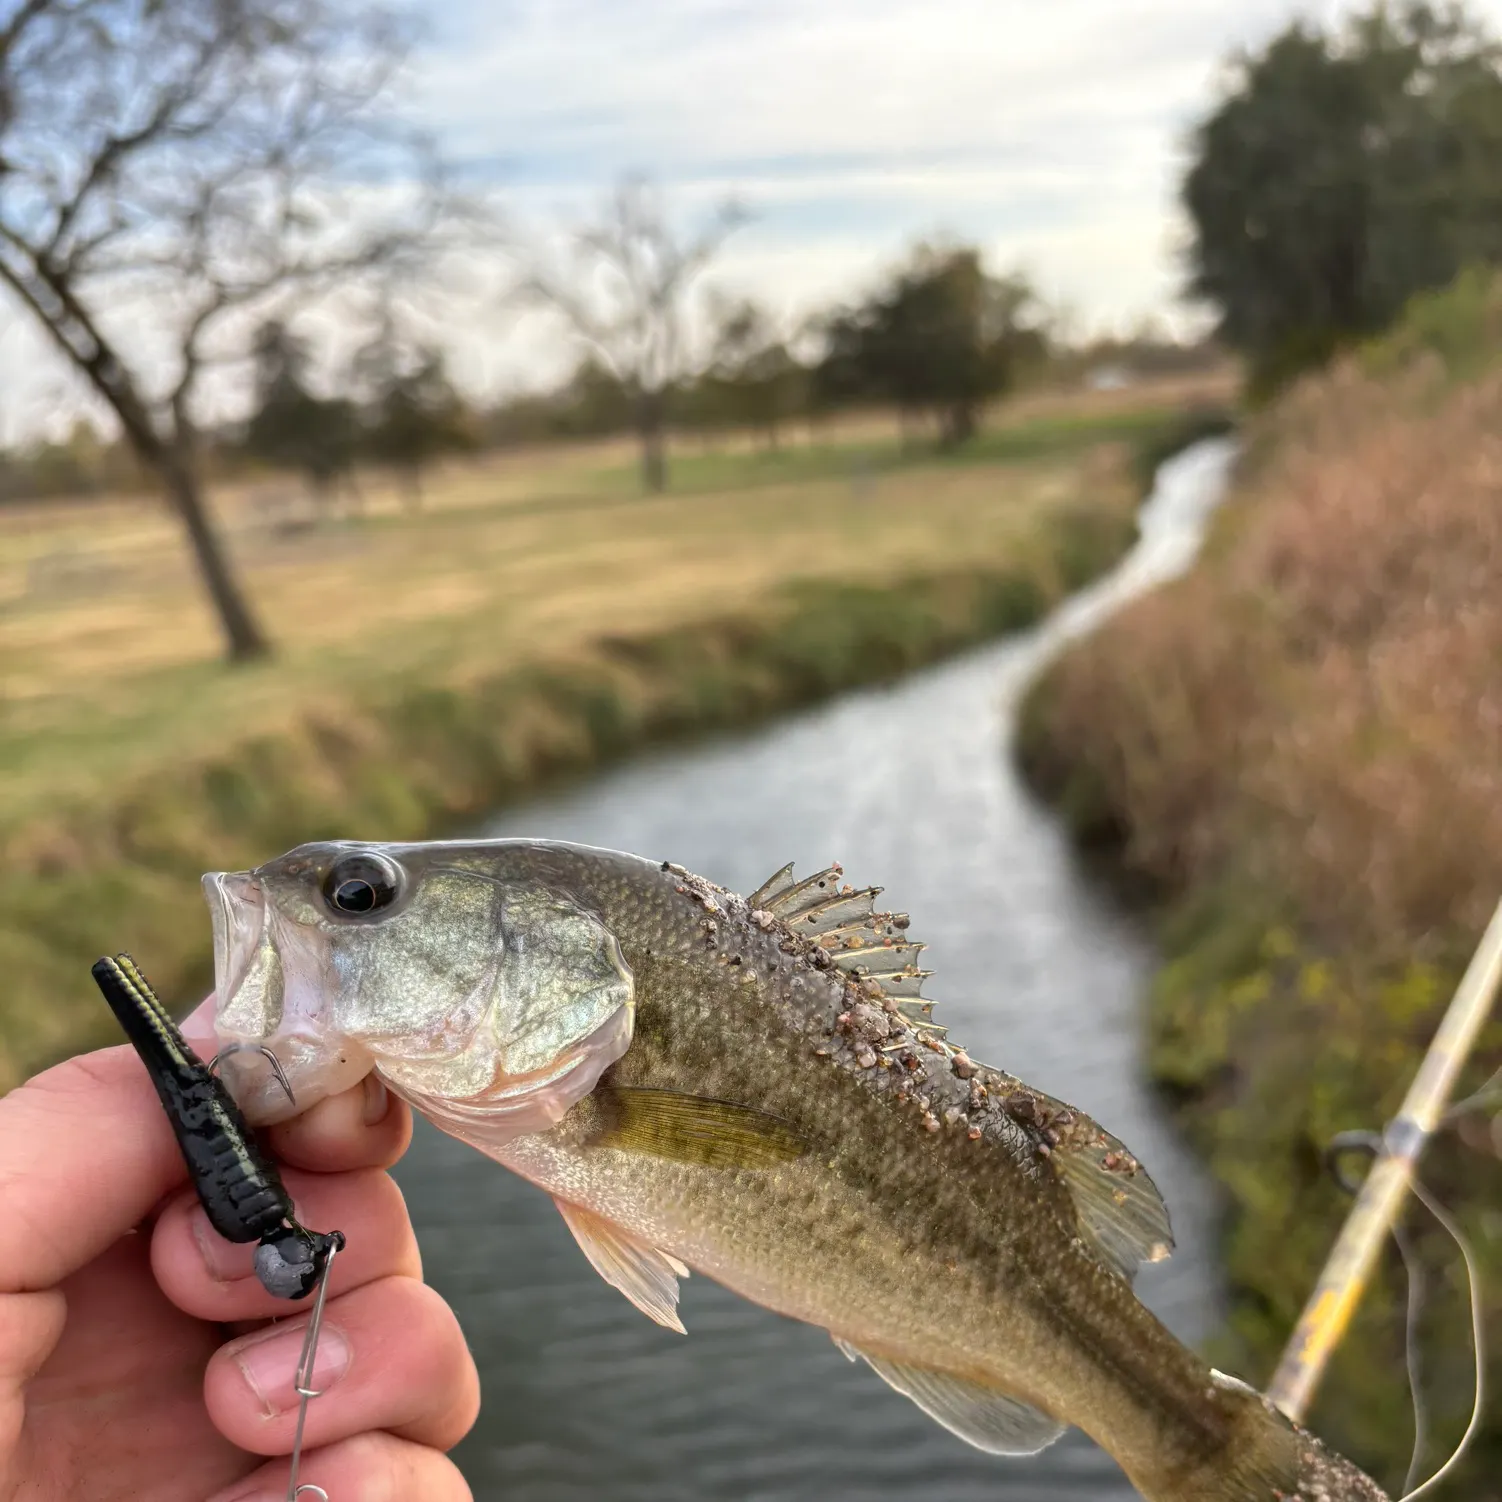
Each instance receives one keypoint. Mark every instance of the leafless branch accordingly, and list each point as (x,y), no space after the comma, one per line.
(623,288)
(193,161)
(623,291)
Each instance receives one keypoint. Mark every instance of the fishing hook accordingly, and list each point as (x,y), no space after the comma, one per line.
(239,1187)
(276,1064)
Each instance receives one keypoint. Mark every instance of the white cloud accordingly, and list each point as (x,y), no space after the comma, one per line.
(1049,131)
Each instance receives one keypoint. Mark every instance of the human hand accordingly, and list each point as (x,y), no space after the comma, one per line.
(137,1358)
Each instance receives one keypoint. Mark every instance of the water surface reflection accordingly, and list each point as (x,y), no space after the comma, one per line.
(909,786)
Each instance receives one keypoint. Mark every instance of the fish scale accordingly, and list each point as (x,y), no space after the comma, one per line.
(751,1089)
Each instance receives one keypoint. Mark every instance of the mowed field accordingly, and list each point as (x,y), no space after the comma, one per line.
(110,658)
(536,616)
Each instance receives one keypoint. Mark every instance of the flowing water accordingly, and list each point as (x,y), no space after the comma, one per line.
(910,786)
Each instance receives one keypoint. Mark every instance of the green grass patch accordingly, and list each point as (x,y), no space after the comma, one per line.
(403,749)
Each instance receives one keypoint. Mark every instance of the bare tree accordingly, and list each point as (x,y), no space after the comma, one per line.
(623,287)
(171,173)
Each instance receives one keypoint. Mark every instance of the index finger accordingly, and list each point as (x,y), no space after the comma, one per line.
(85,1155)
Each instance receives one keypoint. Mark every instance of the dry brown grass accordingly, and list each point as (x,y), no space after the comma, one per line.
(505,582)
(109,654)
(1322,705)
(1303,743)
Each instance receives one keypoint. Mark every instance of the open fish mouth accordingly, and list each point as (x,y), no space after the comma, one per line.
(257,1009)
(247,969)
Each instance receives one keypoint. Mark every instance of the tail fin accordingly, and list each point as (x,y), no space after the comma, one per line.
(1269,1459)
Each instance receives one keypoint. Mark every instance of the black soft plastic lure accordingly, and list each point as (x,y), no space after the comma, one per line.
(238,1185)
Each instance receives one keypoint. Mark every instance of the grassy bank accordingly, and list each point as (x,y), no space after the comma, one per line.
(433,667)
(1297,751)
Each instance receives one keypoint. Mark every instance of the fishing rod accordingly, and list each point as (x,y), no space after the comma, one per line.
(1348,1270)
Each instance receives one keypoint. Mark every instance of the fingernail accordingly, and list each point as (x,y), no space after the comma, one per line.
(377,1100)
(226,1262)
(269,1363)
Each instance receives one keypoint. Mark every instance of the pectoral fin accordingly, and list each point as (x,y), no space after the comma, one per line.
(647,1276)
(979,1415)
(694,1129)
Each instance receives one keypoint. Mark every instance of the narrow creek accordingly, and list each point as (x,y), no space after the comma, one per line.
(910,786)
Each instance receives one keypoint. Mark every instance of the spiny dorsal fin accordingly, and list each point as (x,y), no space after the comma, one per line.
(810,892)
(1121,1214)
(694,1128)
(840,906)
(645,1274)
(842,920)
(980,1416)
(772,888)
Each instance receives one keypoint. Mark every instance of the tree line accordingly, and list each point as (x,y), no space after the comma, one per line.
(1345,169)
(935,339)
(220,166)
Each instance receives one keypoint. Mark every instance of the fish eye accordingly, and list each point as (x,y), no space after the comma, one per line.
(359,885)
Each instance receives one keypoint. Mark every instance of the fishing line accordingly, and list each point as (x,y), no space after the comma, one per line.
(1478,1334)
(1372,1143)
(1489,1094)
(1413,1273)
(303,1382)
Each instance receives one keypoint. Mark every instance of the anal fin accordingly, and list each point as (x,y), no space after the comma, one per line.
(980,1416)
(646,1275)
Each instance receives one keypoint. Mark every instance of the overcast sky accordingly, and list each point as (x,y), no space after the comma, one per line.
(1050,132)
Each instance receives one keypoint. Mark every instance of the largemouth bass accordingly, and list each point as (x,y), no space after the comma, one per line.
(752,1088)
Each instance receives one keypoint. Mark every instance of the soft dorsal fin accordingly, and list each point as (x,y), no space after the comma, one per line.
(1121,1214)
(980,1416)
(646,1275)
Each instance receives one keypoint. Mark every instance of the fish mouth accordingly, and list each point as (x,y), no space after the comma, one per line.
(249,989)
(237,910)
(252,1015)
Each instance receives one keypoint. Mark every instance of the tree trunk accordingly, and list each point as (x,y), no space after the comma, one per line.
(412,487)
(242,636)
(76,335)
(649,428)
(321,491)
(956,425)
